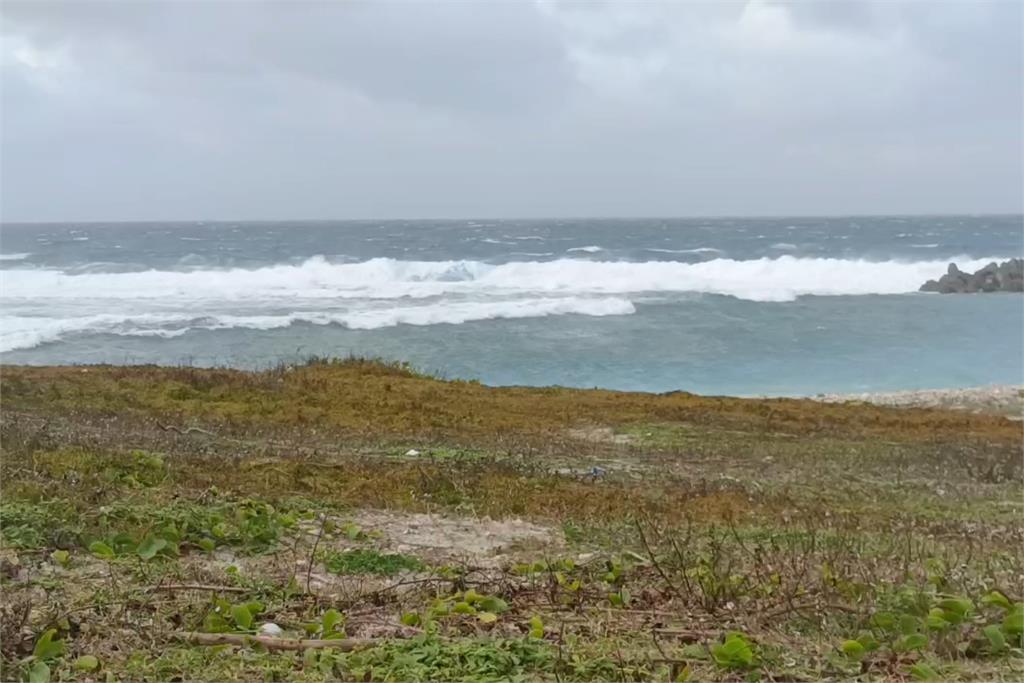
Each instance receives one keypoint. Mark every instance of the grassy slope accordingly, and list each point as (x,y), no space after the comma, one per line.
(793,522)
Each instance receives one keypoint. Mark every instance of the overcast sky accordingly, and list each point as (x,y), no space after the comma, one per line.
(233,110)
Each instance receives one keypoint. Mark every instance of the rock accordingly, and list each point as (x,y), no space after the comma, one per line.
(995,277)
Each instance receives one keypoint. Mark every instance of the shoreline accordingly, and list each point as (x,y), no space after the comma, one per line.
(1000,399)
(994,399)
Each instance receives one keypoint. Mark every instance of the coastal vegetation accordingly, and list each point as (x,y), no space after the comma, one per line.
(353,519)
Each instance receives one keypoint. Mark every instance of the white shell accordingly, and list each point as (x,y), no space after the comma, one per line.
(270,629)
(412,452)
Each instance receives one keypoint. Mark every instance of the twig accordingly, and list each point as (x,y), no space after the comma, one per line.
(558,662)
(654,561)
(195,587)
(654,638)
(294,644)
(618,612)
(312,552)
(189,430)
(683,634)
(14,471)
(805,606)
(113,603)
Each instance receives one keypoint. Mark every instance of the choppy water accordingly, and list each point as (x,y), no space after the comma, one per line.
(741,306)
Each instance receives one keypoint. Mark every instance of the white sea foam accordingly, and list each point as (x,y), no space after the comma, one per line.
(764,279)
(42,305)
(14,257)
(25,332)
(698,250)
(591,249)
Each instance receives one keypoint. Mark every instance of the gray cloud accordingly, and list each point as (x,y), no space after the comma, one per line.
(346,109)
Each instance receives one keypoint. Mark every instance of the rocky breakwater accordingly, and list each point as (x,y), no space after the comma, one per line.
(995,277)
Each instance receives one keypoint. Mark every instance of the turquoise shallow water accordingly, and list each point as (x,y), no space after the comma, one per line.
(727,306)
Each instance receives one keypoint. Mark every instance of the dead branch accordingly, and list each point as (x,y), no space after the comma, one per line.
(276,644)
(684,634)
(312,551)
(194,587)
(808,606)
(189,430)
(654,561)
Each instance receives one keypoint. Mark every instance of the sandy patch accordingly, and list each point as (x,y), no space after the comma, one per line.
(436,538)
(482,543)
(601,435)
(998,399)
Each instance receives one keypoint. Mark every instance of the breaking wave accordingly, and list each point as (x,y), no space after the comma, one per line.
(44,305)
(764,279)
(19,332)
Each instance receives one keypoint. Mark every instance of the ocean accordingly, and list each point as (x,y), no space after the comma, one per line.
(741,306)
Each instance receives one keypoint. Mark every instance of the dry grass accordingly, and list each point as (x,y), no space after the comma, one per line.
(369,399)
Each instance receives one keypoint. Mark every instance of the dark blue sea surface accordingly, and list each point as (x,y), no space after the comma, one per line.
(727,305)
